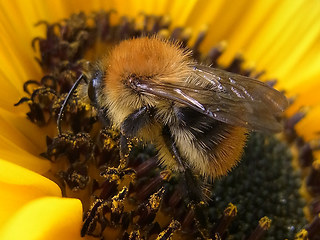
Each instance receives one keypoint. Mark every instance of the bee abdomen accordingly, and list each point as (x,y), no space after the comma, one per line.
(211,147)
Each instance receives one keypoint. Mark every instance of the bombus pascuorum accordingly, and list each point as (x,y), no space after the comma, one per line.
(196,116)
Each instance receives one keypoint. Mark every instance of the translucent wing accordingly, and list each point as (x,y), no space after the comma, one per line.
(226,97)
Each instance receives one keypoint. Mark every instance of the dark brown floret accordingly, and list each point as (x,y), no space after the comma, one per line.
(313,179)
(259,232)
(313,228)
(76,176)
(289,127)
(228,215)
(169,231)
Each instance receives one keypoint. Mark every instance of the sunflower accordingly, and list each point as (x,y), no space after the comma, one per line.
(271,40)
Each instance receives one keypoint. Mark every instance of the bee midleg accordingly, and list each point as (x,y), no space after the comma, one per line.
(191,181)
(131,126)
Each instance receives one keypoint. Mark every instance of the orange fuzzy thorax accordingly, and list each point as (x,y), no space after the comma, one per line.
(146,57)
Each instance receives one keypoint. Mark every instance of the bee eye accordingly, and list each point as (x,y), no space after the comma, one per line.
(92,91)
(94,85)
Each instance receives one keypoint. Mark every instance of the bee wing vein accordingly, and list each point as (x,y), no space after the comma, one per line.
(226,97)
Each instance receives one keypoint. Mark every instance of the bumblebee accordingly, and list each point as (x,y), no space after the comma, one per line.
(196,116)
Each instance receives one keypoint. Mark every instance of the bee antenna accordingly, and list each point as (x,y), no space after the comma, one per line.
(66,100)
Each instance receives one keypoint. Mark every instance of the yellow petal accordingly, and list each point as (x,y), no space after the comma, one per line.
(181,10)
(17,56)
(247,26)
(20,130)
(309,127)
(45,218)
(19,186)
(22,141)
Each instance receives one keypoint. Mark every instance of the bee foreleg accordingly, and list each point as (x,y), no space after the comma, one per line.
(191,181)
(125,148)
(130,127)
(137,120)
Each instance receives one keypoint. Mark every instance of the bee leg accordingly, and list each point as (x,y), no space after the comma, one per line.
(191,181)
(137,120)
(130,127)
(125,149)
